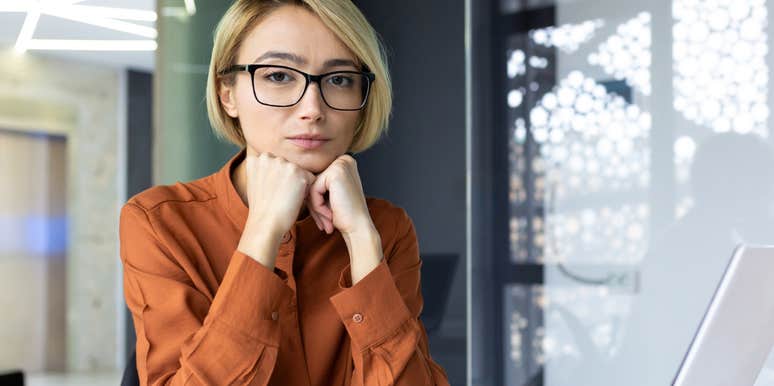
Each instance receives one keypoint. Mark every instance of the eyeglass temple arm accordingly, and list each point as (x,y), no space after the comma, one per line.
(235,68)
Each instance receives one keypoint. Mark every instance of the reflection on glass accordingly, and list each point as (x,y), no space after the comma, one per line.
(525,354)
(623,294)
(626,54)
(592,140)
(720,69)
(567,37)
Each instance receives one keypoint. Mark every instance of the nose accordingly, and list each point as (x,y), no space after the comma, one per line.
(311,104)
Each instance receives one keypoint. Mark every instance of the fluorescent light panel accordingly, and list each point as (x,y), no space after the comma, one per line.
(117,25)
(14,7)
(28,28)
(190,7)
(113,13)
(92,45)
(105,17)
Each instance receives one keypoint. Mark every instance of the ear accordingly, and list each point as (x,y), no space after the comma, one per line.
(227,99)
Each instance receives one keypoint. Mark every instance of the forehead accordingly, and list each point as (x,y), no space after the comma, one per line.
(295,30)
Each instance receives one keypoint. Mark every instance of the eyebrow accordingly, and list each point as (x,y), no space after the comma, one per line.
(300,60)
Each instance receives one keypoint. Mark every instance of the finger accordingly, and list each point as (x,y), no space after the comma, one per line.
(317,196)
(311,213)
(347,157)
(314,197)
(315,217)
(327,223)
(309,179)
(323,223)
(323,212)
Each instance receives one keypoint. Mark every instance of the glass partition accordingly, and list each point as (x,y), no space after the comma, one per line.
(638,150)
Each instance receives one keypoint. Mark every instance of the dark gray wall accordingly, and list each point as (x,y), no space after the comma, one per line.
(421,164)
(139,133)
(139,159)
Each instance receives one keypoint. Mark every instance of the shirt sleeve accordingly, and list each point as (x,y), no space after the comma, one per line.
(181,329)
(381,315)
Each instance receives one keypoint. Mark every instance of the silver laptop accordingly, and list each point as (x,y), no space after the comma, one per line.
(737,332)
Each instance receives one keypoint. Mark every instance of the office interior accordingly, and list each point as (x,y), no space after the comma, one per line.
(579,173)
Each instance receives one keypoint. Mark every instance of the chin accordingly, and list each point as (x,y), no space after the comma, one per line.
(314,163)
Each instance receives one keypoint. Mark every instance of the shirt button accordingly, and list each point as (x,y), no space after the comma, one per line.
(286,237)
(274,315)
(357,318)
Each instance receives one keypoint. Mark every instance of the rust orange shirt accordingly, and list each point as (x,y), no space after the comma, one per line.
(206,314)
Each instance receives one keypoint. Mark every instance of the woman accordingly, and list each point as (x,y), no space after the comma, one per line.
(276,270)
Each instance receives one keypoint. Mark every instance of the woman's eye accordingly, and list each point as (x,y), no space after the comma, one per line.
(341,80)
(279,77)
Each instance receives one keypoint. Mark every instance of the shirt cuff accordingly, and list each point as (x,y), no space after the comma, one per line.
(372,309)
(250,298)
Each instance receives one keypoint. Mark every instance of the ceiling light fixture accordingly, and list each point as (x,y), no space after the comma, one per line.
(28,28)
(100,16)
(14,7)
(190,7)
(92,45)
(113,13)
(116,25)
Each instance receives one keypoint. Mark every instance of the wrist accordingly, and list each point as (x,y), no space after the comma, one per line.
(260,242)
(365,234)
(261,226)
(365,252)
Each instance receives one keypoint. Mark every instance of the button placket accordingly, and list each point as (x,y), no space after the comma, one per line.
(285,258)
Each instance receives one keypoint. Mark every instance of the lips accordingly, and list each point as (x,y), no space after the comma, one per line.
(308,142)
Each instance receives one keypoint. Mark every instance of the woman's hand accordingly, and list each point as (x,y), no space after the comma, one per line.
(336,198)
(346,210)
(276,189)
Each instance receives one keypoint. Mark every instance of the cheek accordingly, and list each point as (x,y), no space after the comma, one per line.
(345,123)
(260,124)
(351,125)
(244,97)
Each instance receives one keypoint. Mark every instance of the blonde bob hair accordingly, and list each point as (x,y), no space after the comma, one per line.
(347,23)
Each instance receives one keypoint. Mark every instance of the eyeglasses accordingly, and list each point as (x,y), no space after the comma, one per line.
(281,86)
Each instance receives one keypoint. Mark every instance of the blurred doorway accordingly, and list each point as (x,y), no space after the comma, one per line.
(33,245)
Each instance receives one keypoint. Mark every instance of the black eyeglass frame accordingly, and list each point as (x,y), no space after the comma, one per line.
(251,68)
